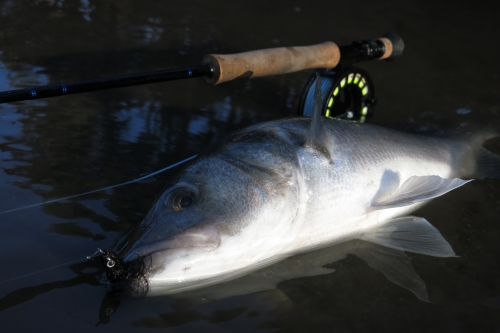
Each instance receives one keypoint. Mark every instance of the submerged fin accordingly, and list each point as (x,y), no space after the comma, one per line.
(410,233)
(416,189)
(487,165)
(317,136)
(395,265)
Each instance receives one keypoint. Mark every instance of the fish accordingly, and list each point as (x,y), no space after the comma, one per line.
(290,186)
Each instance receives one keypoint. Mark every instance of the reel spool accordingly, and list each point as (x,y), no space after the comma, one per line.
(348,93)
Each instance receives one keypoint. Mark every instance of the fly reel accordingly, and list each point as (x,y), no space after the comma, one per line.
(347,93)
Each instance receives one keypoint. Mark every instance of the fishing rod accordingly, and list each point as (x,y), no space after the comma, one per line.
(217,68)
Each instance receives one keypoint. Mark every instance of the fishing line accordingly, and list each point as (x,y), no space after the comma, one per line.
(51,306)
(92,256)
(45,269)
(43,303)
(103,189)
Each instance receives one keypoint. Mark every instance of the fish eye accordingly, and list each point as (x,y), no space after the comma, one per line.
(182,198)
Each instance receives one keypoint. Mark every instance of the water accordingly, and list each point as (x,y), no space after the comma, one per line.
(62,146)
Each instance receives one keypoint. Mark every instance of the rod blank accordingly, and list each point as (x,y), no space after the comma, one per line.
(75,87)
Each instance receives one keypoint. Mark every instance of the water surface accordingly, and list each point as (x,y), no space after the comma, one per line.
(58,147)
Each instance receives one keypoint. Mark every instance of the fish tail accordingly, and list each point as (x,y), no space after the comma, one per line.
(487,163)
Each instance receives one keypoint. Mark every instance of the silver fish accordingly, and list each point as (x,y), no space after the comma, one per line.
(285,187)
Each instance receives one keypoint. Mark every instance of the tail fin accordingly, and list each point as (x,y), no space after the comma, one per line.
(476,161)
(487,165)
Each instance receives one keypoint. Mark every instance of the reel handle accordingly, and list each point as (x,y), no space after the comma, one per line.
(282,60)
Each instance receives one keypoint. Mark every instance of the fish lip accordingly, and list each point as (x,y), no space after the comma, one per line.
(136,255)
(203,236)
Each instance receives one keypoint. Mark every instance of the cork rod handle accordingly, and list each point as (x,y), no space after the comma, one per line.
(282,60)
(271,61)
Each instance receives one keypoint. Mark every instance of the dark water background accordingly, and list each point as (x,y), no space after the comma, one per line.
(63,146)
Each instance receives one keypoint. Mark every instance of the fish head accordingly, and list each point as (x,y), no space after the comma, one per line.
(221,214)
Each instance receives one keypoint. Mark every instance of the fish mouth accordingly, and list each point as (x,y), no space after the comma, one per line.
(132,277)
(131,273)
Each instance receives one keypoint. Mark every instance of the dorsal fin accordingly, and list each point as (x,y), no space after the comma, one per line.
(317,136)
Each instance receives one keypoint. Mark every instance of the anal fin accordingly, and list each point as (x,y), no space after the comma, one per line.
(410,233)
(416,189)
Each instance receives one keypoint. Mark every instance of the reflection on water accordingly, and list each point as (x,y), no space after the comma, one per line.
(6,7)
(26,76)
(59,147)
(395,265)
(149,33)
(86,9)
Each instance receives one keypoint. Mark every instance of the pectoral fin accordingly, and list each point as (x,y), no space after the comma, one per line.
(410,233)
(416,189)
